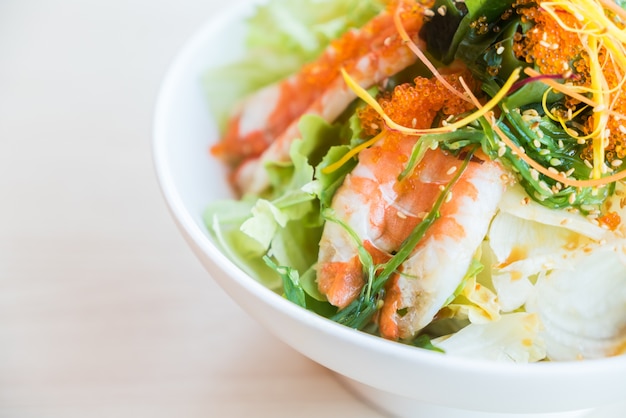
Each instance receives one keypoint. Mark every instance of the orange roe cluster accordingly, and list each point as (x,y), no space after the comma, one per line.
(378,35)
(555,50)
(611,220)
(417,105)
(547,45)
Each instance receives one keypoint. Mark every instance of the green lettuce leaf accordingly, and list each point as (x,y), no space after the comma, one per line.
(282,36)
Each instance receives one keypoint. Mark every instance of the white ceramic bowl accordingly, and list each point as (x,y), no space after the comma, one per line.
(402,380)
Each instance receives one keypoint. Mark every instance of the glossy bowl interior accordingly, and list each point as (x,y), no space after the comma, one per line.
(393,376)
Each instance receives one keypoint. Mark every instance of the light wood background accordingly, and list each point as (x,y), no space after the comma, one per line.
(104,311)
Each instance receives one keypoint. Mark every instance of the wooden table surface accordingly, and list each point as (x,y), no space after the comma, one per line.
(104,311)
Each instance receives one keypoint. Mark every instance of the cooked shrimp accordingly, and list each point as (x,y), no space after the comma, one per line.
(266,115)
(382,211)
(263,131)
(439,262)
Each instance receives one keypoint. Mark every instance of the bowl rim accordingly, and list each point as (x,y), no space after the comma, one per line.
(197,238)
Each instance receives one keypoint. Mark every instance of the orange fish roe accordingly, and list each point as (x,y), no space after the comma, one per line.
(555,50)
(417,105)
(611,220)
(551,48)
(353,45)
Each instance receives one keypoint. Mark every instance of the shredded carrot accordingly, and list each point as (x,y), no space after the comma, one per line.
(568,90)
(451,127)
(354,151)
(594,40)
(565,180)
(421,56)
(612,6)
(586,38)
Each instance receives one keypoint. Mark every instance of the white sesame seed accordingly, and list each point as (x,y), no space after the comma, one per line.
(545,186)
(429,13)
(536,143)
(534,174)
(500,50)
(442,10)
(616,163)
(604,169)
(544,43)
(401,215)
(572,198)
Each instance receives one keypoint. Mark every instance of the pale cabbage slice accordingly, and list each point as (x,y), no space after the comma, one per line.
(516,202)
(513,338)
(582,306)
(521,250)
(527,239)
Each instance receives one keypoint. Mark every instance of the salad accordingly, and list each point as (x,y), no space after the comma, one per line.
(445,174)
